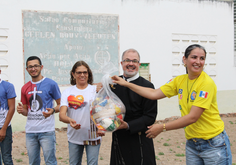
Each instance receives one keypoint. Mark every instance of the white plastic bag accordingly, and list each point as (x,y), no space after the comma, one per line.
(107,109)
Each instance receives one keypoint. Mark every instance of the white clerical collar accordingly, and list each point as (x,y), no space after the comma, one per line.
(132,78)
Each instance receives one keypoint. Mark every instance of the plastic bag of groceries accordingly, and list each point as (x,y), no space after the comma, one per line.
(107,109)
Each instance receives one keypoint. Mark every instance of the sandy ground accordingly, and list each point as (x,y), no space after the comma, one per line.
(169,146)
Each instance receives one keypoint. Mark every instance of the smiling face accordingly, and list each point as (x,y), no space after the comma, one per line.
(130,68)
(81,75)
(195,62)
(34,68)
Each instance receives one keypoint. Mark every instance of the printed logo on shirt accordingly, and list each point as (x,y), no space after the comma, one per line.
(180,97)
(36,102)
(3,108)
(75,102)
(169,81)
(180,91)
(193,96)
(2,115)
(203,94)
(180,108)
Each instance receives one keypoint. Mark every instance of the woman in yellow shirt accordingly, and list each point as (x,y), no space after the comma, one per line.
(207,141)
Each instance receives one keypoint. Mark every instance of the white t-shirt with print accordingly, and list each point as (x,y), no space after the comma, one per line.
(78,102)
(38,96)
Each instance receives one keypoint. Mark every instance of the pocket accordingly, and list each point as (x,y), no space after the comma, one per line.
(217,141)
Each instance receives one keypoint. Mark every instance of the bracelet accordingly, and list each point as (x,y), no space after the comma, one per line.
(53,110)
(164,128)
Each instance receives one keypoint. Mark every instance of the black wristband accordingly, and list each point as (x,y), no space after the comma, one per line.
(53,110)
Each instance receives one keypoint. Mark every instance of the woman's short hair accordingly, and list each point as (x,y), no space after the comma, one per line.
(77,64)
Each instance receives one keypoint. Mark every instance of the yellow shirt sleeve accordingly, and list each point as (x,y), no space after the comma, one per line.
(205,94)
(170,88)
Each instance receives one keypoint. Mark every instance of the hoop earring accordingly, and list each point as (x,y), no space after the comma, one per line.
(185,65)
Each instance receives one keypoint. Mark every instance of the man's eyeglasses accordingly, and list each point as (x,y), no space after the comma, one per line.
(35,67)
(133,61)
(80,73)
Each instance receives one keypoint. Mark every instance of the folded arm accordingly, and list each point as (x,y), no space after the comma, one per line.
(182,122)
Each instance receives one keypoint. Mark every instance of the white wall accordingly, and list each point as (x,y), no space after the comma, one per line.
(146,26)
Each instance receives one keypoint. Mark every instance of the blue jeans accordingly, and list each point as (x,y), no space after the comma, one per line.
(6,148)
(215,151)
(76,153)
(47,140)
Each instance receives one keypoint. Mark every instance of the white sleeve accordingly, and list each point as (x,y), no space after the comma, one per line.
(64,96)
(94,92)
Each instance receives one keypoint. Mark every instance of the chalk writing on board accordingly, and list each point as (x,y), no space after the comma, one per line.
(60,39)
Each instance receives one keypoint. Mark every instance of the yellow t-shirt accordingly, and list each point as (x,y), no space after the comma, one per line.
(200,92)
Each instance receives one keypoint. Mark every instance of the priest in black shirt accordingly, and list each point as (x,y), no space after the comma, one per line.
(130,146)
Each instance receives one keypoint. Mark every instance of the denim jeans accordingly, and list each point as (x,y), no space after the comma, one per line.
(215,151)
(6,148)
(76,153)
(47,141)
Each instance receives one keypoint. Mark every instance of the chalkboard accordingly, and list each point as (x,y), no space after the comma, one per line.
(60,39)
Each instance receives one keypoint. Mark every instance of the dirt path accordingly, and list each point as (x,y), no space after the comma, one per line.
(169,146)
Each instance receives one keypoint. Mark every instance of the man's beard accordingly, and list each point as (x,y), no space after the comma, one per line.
(36,76)
(128,74)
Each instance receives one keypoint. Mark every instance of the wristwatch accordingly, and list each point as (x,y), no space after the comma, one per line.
(164,128)
(53,110)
